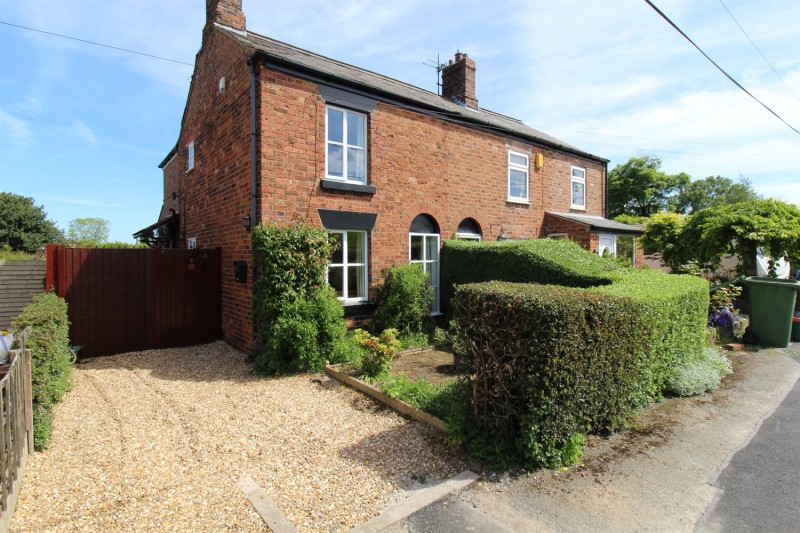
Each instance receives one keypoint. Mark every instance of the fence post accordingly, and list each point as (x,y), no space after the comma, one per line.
(28,388)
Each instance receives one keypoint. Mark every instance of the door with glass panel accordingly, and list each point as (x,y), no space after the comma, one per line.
(424,251)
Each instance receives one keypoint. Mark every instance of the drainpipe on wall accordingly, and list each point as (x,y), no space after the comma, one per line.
(253,63)
(605,191)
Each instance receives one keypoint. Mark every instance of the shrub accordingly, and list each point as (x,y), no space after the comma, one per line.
(308,332)
(297,320)
(700,374)
(404,299)
(380,351)
(51,366)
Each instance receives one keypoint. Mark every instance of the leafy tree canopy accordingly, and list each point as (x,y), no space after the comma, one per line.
(640,188)
(24,226)
(89,231)
(713,191)
(662,233)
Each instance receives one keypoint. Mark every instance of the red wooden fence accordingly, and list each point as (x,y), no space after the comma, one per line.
(123,300)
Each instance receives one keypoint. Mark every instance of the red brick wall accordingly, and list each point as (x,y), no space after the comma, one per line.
(216,194)
(419,164)
(172,174)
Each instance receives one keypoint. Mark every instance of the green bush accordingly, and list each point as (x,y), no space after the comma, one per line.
(546,261)
(51,359)
(700,374)
(308,333)
(547,363)
(298,321)
(404,300)
(379,351)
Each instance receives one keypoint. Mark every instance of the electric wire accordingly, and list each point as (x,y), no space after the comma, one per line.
(97,44)
(759,51)
(739,85)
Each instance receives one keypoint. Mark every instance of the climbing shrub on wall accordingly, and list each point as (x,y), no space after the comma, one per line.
(298,321)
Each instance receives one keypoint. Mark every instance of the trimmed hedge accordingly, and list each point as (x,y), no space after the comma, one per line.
(546,261)
(556,361)
(51,359)
(546,364)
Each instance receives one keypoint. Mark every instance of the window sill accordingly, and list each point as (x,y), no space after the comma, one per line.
(577,208)
(519,201)
(334,185)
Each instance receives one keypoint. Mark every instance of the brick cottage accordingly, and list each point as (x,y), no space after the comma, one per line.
(274,133)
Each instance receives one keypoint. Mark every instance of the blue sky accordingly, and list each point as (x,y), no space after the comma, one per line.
(83,128)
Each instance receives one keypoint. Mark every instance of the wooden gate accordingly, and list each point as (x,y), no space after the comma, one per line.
(123,300)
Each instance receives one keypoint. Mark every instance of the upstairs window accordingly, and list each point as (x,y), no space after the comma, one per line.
(578,185)
(346,145)
(190,157)
(517,177)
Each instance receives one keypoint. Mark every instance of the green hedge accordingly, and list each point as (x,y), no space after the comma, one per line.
(552,360)
(51,359)
(547,363)
(546,261)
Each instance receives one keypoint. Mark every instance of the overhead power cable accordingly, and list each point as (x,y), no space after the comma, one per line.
(97,44)
(739,85)
(759,51)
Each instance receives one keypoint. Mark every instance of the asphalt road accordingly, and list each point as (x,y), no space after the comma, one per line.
(761,483)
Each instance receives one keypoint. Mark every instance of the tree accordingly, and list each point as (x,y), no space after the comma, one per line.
(24,226)
(771,225)
(662,233)
(89,231)
(713,191)
(640,188)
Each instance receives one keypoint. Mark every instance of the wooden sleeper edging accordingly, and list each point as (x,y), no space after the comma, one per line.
(398,405)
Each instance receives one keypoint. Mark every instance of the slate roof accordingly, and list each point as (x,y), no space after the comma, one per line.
(380,85)
(596,223)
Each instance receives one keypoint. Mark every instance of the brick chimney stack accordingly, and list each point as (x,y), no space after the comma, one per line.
(458,80)
(226,12)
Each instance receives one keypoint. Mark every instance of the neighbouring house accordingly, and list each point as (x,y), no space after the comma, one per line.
(274,133)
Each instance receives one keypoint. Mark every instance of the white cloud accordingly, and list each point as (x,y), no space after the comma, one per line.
(17,129)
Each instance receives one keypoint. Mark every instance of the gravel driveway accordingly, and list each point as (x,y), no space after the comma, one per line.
(156,440)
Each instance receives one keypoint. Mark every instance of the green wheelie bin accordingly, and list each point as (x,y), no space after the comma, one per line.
(771,309)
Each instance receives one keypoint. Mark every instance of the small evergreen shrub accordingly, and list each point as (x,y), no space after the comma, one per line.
(380,351)
(298,322)
(51,359)
(404,300)
(309,331)
(699,375)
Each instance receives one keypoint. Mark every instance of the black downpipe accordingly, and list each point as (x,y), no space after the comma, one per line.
(253,63)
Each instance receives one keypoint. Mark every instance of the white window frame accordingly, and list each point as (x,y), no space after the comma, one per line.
(191,243)
(190,157)
(345,146)
(572,181)
(344,265)
(426,261)
(519,168)
(612,247)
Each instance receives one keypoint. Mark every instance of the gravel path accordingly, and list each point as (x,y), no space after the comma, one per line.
(156,440)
